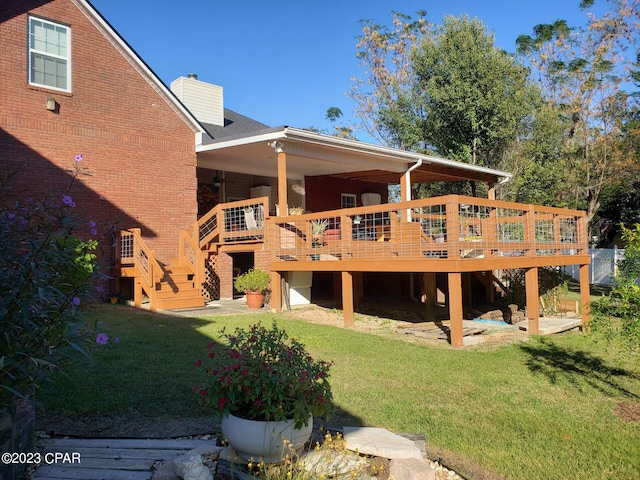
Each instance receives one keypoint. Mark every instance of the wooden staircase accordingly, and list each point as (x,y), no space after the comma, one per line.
(177,285)
(178,289)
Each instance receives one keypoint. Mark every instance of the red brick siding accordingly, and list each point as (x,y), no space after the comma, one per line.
(139,152)
(225,274)
(324,193)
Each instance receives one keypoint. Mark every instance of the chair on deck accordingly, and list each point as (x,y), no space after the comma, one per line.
(254,219)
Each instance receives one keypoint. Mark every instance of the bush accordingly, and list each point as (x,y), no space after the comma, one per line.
(45,275)
(617,315)
(255,280)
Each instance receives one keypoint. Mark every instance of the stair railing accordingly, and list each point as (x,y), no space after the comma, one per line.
(134,250)
(207,227)
(191,256)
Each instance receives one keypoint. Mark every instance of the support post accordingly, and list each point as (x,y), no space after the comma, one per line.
(283,201)
(276,292)
(489,290)
(585,296)
(532,299)
(491,191)
(137,293)
(429,294)
(347,298)
(455,308)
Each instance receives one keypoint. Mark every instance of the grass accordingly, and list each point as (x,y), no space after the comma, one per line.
(543,409)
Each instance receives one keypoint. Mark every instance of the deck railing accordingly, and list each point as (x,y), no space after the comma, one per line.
(234,222)
(448,227)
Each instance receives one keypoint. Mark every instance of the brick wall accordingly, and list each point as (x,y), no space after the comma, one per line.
(138,152)
(324,193)
(225,273)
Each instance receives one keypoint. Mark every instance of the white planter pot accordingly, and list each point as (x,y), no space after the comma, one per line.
(258,440)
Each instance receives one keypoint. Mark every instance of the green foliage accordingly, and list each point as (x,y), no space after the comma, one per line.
(255,280)
(582,72)
(319,226)
(262,374)
(473,98)
(45,274)
(617,315)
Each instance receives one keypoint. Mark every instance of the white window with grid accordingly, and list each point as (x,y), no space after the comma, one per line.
(348,200)
(49,54)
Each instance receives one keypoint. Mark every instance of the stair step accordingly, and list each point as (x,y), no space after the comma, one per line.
(180,302)
(176,284)
(184,292)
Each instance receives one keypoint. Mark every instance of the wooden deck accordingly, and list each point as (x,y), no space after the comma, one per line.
(452,234)
(111,459)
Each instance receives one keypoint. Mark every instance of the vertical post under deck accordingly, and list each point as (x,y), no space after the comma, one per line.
(585,295)
(430,292)
(533,299)
(347,298)
(276,292)
(455,308)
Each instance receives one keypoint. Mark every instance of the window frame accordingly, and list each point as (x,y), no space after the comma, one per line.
(31,51)
(351,197)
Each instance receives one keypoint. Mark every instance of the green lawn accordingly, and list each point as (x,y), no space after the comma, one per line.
(543,409)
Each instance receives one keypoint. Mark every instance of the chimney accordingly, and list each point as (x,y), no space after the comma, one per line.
(204,100)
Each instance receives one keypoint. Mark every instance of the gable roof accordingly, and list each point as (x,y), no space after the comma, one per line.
(141,67)
(234,124)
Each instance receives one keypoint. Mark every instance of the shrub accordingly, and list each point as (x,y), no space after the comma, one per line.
(255,280)
(45,273)
(617,315)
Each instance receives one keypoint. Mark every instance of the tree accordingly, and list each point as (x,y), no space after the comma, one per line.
(342,131)
(384,54)
(475,98)
(582,72)
(445,89)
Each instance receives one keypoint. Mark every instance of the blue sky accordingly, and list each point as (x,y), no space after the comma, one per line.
(286,62)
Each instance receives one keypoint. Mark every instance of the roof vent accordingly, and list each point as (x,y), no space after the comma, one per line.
(193,75)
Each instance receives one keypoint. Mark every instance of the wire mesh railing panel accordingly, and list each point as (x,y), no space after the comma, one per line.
(126,247)
(243,221)
(450,227)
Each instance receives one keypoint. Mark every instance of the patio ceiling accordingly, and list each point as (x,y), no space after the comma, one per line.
(312,154)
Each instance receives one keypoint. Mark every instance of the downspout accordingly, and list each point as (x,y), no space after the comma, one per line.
(407,184)
(407,180)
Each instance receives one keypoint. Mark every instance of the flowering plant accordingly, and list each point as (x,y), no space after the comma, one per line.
(262,374)
(47,270)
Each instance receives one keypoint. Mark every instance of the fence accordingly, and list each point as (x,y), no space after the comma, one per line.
(603,268)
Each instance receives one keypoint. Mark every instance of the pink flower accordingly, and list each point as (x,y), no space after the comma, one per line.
(199,362)
(222,401)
